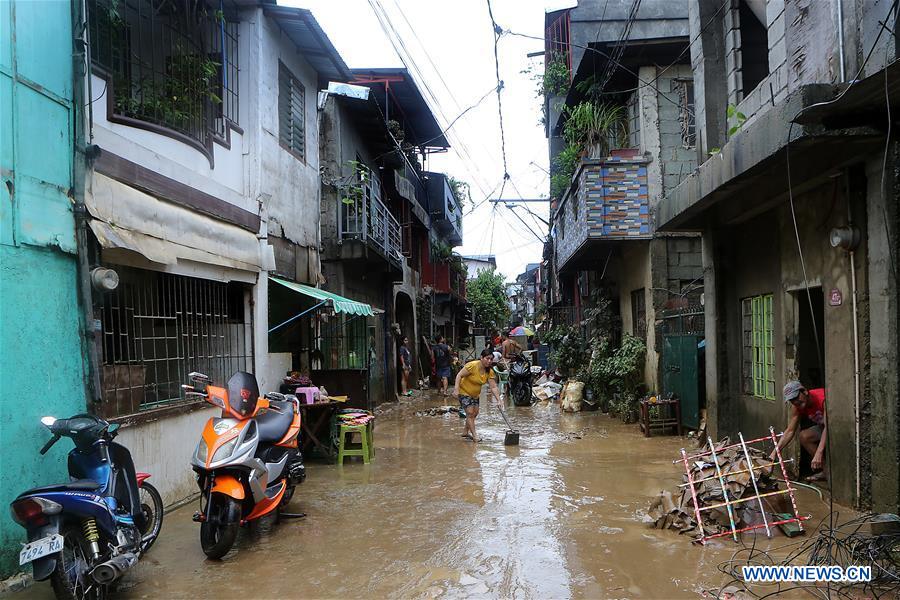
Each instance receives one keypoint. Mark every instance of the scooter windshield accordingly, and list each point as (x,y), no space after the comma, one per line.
(243,392)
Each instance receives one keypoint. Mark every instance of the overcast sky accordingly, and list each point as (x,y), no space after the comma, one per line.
(451,45)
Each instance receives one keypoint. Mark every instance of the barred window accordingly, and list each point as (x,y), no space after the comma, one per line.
(758,353)
(291,113)
(639,314)
(168,65)
(685,89)
(158,327)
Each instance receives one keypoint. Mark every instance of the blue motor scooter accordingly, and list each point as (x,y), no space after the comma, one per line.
(84,534)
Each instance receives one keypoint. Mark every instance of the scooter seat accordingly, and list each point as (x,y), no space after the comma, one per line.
(80,485)
(274,423)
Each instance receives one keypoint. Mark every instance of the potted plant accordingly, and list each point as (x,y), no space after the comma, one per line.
(595,128)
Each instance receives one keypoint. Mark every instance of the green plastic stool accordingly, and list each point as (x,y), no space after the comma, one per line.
(502,380)
(366,449)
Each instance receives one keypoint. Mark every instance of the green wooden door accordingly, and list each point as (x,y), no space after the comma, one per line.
(681,375)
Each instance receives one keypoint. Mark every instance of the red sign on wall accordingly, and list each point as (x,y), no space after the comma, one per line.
(835,298)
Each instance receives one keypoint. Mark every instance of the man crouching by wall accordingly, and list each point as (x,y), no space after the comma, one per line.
(807,416)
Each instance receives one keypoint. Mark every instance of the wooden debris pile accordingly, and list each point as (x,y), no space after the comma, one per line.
(675,509)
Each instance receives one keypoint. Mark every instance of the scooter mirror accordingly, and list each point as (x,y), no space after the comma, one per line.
(113,428)
(48,421)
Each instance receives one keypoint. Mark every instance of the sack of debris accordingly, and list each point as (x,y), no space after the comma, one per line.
(571,396)
(547,391)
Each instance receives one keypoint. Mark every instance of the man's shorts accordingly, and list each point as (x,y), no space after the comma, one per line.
(807,423)
(467,401)
(444,372)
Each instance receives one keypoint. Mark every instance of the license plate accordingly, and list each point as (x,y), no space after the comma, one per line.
(41,548)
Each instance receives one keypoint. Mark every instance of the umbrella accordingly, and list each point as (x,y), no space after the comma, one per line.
(521,330)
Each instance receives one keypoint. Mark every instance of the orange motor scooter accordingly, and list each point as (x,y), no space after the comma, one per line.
(248,462)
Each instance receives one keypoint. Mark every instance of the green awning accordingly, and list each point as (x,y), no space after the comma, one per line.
(339,303)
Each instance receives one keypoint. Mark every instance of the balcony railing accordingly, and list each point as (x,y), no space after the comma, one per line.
(363,216)
(607,201)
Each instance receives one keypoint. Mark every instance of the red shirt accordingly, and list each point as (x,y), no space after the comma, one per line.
(815,406)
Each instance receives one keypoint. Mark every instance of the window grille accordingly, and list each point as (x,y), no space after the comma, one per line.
(291,113)
(758,357)
(343,342)
(168,63)
(158,327)
(639,314)
(686,102)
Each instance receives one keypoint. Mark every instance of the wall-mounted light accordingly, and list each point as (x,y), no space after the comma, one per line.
(104,280)
(847,238)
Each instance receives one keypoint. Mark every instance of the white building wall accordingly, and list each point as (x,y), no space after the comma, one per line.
(171,157)
(164,449)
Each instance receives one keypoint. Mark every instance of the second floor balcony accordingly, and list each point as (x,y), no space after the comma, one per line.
(444,208)
(606,202)
(364,217)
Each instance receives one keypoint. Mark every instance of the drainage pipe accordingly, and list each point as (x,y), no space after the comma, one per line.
(840,34)
(852,255)
(855,366)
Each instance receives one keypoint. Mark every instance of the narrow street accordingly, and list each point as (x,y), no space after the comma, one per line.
(435,516)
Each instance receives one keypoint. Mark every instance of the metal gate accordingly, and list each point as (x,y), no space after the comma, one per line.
(682,334)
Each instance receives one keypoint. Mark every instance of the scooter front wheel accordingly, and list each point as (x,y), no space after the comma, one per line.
(219,530)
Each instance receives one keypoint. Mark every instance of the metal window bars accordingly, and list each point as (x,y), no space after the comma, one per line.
(168,63)
(730,503)
(158,327)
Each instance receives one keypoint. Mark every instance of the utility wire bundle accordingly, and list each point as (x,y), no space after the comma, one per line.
(871,540)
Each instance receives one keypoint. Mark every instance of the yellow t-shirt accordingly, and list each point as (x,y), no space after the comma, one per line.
(474,378)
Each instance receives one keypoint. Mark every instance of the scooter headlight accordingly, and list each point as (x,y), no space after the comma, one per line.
(202,451)
(225,450)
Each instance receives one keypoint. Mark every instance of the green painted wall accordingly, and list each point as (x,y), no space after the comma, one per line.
(41,355)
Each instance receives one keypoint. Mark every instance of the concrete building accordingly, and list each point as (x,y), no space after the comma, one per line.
(42,325)
(634,67)
(525,295)
(798,214)
(204,180)
(376,217)
(479,262)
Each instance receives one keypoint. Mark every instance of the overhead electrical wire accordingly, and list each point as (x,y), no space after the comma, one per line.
(497,32)
(622,66)
(396,40)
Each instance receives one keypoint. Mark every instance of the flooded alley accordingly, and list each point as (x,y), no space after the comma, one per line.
(434,515)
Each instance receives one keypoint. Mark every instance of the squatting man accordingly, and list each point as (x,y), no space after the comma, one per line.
(807,416)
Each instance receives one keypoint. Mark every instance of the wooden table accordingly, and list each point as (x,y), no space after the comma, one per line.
(661,422)
(312,417)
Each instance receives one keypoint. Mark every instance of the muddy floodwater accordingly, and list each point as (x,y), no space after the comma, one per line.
(436,516)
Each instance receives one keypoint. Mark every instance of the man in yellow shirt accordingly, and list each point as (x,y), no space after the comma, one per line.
(467,388)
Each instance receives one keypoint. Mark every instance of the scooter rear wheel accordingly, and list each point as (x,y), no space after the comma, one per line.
(218,532)
(152,509)
(70,579)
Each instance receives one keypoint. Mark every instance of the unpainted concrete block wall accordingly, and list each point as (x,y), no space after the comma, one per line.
(677,160)
(774,87)
(684,261)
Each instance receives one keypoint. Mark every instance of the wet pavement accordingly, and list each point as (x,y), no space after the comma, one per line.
(559,516)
